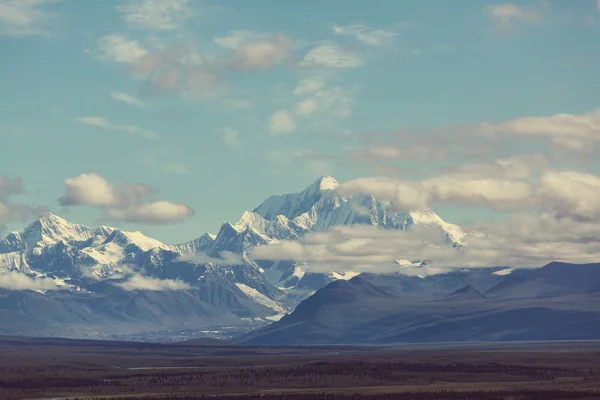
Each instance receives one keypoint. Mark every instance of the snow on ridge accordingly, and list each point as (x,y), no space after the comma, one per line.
(503,272)
(260,298)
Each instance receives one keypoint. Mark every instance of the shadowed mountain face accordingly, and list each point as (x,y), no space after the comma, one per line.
(359,311)
(465,293)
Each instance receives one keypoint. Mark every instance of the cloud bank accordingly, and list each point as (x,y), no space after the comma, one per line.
(125,203)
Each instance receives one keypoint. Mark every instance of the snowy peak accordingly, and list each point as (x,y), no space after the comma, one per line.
(198,245)
(47,230)
(323,183)
(138,239)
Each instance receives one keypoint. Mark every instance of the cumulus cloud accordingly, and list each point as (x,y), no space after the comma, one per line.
(360,248)
(26,17)
(127,98)
(90,189)
(105,123)
(505,15)
(309,85)
(258,54)
(122,203)
(157,15)
(281,122)
(574,131)
(119,49)
(13,280)
(141,282)
(224,258)
(11,211)
(497,194)
(317,98)
(516,167)
(183,70)
(523,240)
(180,69)
(366,35)
(330,56)
(571,194)
(235,39)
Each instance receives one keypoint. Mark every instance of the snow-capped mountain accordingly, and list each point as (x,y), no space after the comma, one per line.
(216,271)
(315,209)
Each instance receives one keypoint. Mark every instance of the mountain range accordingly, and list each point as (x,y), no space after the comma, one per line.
(63,279)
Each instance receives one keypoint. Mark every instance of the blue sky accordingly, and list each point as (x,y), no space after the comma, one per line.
(171,106)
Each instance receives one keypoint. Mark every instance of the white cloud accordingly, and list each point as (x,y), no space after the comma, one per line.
(159,15)
(127,98)
(141,282)
(571,194)
(361,248)
(318,98)
(177,169)
(122,203)
(10,211)
(91,189)
(330,56)
(119,49)
(366,35)
(306,107)
(497,194)
(235,39)
(12,280)
(506,14)
(224,258)
(261,53)
(182,70)
(309,85)
(521,241)
(573,131)
(281,122)
(20,18)
(517,167)
(10,186)
(230,137)
(104,123)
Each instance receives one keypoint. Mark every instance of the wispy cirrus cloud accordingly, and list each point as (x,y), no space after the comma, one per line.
(105,123)
(127,98)
(156,15)
(19,18)
(365,34)
(331,56)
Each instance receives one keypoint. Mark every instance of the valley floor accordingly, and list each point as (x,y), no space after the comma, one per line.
(60,369)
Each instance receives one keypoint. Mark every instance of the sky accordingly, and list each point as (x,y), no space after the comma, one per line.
(173,116)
